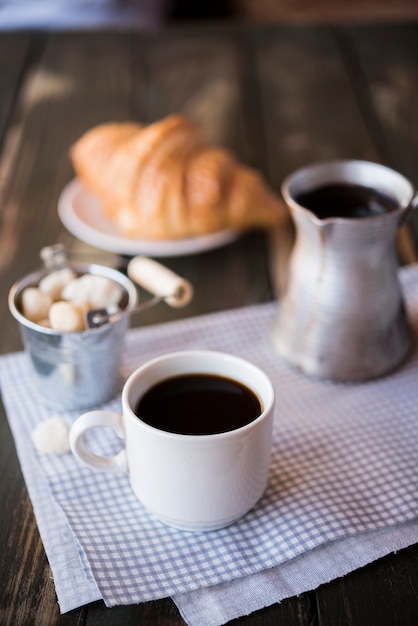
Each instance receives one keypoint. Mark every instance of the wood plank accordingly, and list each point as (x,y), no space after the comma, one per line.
(386,65)
(309,108)
(383,593)
(14,50)
(22,555)
(13,56)
(309,112)
(27,584)
(198,72)
(356,11)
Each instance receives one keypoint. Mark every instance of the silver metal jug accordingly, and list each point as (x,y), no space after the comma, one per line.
(342,315)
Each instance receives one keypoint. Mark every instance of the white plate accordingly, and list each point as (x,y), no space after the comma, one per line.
(81,214)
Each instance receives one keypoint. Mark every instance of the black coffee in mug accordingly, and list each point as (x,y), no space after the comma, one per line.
(198,404)
(347,201)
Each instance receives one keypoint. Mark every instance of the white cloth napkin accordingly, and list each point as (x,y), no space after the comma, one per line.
(342,488)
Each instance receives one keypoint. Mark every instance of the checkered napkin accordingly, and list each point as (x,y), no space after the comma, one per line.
(342,487)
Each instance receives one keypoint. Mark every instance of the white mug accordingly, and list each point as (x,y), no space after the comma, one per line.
(191,482)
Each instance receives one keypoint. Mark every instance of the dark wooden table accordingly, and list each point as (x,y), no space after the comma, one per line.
(279,97)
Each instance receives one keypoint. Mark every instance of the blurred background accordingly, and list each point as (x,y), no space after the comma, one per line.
(15,14)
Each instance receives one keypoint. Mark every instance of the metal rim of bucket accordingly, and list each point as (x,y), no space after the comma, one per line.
(33,279)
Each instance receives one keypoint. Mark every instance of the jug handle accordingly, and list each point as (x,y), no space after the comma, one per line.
(409,209)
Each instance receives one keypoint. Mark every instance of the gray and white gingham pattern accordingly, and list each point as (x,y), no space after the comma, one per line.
(344,462)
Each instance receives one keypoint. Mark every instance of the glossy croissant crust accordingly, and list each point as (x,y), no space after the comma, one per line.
(163,181)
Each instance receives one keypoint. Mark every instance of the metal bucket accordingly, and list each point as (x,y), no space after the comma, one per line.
(75,370)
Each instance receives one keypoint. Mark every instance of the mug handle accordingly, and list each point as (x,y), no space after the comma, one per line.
(98,419)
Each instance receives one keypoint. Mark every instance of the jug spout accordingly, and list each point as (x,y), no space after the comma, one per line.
(342,315)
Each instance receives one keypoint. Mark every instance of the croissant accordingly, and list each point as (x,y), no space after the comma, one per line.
(162,181)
